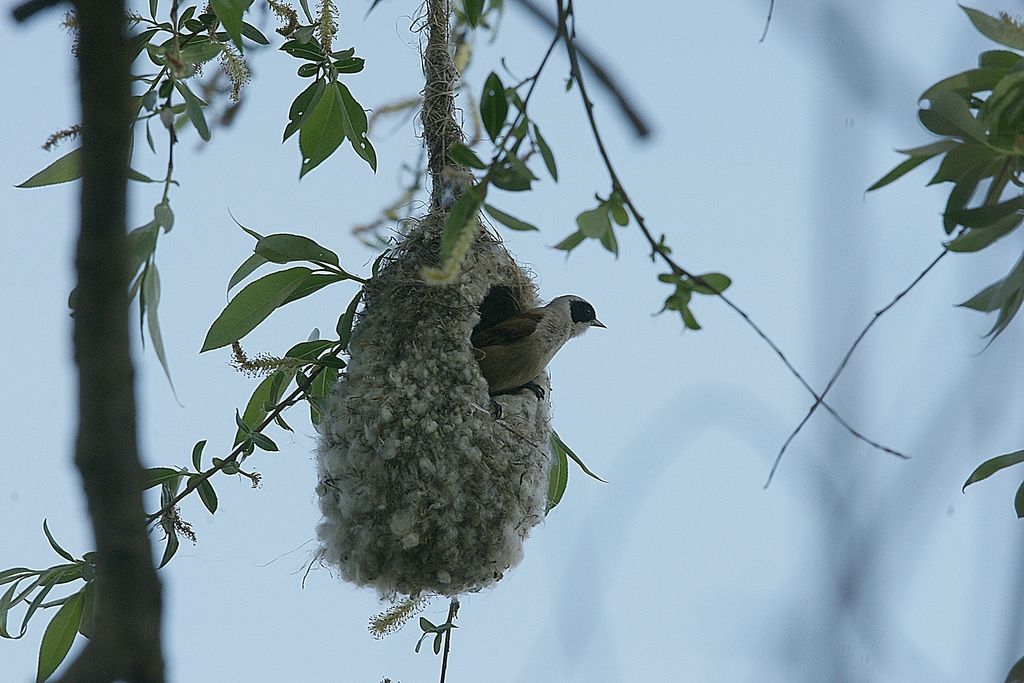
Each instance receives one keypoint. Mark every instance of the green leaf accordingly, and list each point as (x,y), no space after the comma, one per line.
(1018,501)
(999,59)
(595,222)
(302,105)
(254,34)
(263,442)
(207,495)
(967,82)
(558,475)
(949,115)
(230,14)
(198,51)
(711,283)
(993,465)
(571,242)
(285,248)
(310,50)
(322,130)
(314,283)
(151,290)
(462,154)
(985,216)
(197,455)
(474,8)
(512,174)
(163,215)
(1002,31)
(557,440)
(170,549)
(267,392)
(87,625)
(345,321)
(56,546)
(493,106)
(918,156)
(545,153)
(309,350)
(355,123)
(979,238)
(507,220)
(59,635)
(64,169)
(252,305)
(194,107)
(155,476)
(965,161)
(246,269)
(462,218)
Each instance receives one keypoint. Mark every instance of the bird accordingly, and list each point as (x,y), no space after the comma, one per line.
(513,352)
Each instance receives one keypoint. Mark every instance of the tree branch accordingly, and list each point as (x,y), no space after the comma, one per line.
(126,641)
(453,611)
(27,10)
(637,120)
(565,8)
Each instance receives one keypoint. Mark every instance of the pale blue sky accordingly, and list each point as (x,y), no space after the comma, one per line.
(852,565)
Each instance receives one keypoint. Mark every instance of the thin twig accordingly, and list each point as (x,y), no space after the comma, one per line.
(768,20)
(27,10)
(565,11)
(195,481)
(846,359)
(453,611)
(637,120)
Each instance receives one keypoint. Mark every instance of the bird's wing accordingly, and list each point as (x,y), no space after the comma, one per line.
(508,331)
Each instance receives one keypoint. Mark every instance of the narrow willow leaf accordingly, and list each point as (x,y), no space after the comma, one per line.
(151,288)
(314,283)
(356,125)
(194,107)
(263,442)
(302,105)
(558,475)
(462,154)
(309,350)
(967,82)
(493,106)
(979,238)
(545,153)
(197,454)
(246,269)
(993,465)
(345,321)
(230,14)
(474,8)
(998,59)
(985,216)
(170,549)
(65,169)
(594,222)
(1018,501)
(571,242)
(949,115)
(711,283)
(155,476)
(1002,31)
(286,248)
(59,635)
(322,130)
(252,305)
(507,220)
(87,624)
(462,218)
(568,451)
(267,392)
(56,546)
(918,156)
(254,34)
(207,495)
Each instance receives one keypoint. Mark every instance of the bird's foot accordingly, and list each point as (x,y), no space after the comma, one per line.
(537,389)
(496,409)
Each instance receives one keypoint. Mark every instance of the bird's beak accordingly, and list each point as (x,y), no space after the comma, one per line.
(598,323)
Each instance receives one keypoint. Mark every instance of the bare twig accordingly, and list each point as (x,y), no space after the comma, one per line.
(636,119)
(566,11)
(195,481)
(767,21)
(27,10)
(453,611)
(846,359)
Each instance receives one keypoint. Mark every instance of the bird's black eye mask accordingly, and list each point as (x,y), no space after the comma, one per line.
(582,312)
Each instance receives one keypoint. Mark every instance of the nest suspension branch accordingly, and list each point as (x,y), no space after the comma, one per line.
(423,492)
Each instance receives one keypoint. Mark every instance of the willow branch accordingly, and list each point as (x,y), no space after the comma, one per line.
(453,611)
(565,11)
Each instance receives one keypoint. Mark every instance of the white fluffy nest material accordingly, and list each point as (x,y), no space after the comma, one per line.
(421,489)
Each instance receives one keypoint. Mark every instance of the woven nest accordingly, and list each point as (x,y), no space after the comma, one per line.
(421,489)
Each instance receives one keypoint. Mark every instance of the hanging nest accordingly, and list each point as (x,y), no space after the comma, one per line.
(421,489)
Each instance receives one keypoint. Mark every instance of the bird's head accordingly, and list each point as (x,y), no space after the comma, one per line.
(577,311)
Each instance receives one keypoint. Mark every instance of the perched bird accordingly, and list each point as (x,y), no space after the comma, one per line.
(514,351)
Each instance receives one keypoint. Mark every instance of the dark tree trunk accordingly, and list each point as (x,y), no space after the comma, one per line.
(126,639)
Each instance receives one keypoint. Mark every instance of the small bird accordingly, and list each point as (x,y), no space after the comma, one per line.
(513,352)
